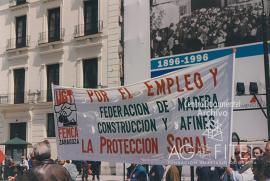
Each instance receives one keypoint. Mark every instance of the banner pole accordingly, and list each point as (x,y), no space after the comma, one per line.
(192,173)
(266,66)
(124,171)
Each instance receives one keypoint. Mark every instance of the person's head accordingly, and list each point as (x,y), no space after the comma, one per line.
(237,153)
(245,154)
(41,151)
(261,168)
(257,151)
(61,162)
(267,148)
(67,161)
(253,32)
(257,168)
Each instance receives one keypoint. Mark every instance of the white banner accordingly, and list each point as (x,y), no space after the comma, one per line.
(180,118)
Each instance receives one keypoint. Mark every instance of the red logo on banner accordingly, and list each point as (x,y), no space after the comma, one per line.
(2,156)
(253,100)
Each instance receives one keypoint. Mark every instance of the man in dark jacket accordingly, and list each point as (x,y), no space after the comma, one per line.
(209,173)
(44,168)
(139,173)
(156,173)
(95,165)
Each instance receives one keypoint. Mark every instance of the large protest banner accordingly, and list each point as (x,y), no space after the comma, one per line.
(179,118)
(157,33)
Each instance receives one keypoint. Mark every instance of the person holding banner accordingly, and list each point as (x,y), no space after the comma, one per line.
(156,173)
(95,165)
(130,170)
(245,173)
(173,173)
(85,170)
(139,173)
(209,173)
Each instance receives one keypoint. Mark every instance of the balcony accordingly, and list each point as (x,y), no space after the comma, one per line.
(4,99)
(16,98)
(30,97)
(88,29)
(51,41)
(88,35)
(47,1)
(18,47)
(51,36)
(18,4)
(17,43)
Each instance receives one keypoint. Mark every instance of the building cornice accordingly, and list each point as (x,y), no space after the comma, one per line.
(11,108)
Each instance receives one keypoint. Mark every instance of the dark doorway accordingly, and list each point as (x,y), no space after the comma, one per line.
(16,151)
(18,130)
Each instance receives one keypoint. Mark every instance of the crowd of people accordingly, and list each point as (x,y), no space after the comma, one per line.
(11,168)
(40,167)
(209,28)
(138,172)
(246,165)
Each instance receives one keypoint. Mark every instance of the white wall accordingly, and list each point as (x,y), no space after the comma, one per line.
(70,57)
(137,40)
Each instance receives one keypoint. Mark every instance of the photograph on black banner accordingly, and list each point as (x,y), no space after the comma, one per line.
(182,26)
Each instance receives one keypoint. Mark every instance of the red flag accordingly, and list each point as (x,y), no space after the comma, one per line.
(2,156)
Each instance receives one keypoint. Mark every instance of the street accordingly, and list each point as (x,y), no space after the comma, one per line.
(103,178)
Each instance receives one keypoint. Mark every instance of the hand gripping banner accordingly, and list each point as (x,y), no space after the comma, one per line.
(182,118)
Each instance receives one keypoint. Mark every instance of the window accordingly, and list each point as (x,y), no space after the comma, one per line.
(20,31)
(19,81)
(50,125)
(19,2)
(90,73)
(17,130)
(90,17)
(54,24)
(182,10)
(52,77)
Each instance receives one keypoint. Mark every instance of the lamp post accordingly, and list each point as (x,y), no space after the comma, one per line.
(266,66)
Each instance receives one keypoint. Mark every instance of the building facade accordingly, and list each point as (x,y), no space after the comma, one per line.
(66,42)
